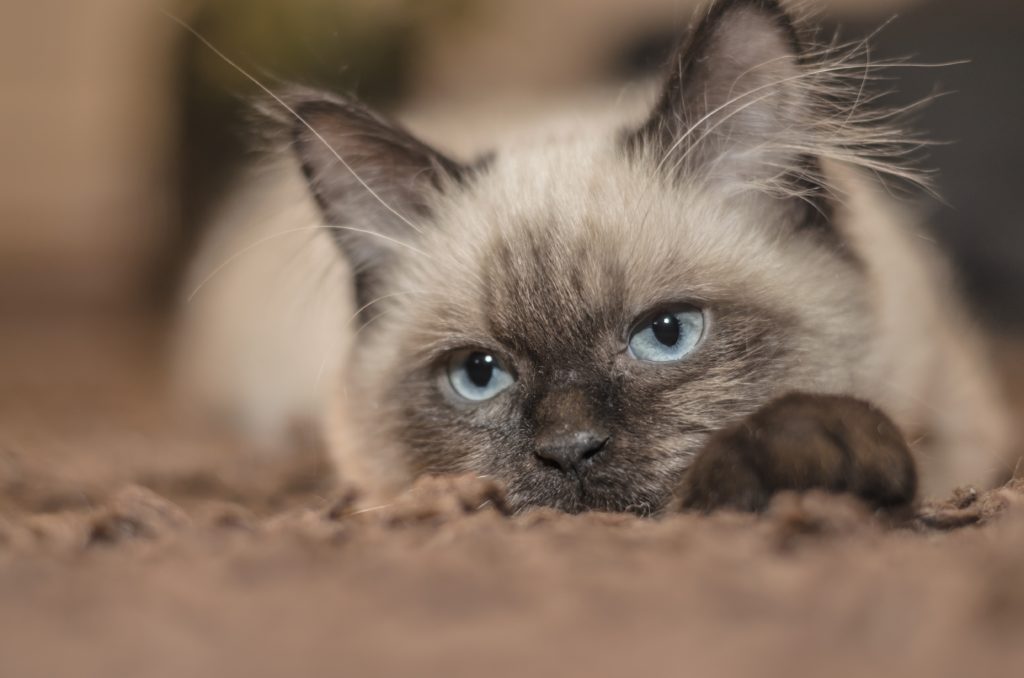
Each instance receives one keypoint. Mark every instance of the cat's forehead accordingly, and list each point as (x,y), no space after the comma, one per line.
(579,238)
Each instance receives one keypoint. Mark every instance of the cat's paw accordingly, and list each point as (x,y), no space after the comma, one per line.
(802,442)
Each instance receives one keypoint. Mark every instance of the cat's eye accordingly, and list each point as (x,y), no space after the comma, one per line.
(478,375)
(667,335)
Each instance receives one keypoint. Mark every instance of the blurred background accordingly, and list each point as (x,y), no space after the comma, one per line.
(121,131)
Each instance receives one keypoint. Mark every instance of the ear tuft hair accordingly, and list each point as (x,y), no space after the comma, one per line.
(751,105)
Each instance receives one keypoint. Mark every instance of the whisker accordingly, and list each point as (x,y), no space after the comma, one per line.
(291,111)
(348,323)
(290,231)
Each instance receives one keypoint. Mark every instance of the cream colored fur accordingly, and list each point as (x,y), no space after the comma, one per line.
(265,336)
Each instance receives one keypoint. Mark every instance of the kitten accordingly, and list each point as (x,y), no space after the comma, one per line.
(694,309)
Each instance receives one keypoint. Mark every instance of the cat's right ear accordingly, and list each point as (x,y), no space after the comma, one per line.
(374,182)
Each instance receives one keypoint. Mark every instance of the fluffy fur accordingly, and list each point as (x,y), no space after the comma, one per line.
(743,193)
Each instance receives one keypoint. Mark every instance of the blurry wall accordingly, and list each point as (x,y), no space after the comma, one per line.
(86,128)
(120,131)
(542,45)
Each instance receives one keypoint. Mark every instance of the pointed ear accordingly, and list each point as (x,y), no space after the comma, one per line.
(736,103)
(375,183)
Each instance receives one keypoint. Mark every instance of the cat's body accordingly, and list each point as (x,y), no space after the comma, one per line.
(578,315)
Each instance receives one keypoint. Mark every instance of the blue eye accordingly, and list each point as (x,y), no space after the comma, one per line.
(668,335)
(477,375)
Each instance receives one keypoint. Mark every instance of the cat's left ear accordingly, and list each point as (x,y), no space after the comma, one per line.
(375,183)
(736,107)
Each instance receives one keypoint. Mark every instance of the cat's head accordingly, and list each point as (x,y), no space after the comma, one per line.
(573,318)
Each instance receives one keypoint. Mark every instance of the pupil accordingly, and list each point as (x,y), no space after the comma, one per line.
(666,330)
(480,368)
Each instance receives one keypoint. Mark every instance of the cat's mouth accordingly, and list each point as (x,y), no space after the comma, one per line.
(576,494)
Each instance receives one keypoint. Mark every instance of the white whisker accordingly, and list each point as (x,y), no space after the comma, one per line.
(291,111)
(348,323)
(291,231)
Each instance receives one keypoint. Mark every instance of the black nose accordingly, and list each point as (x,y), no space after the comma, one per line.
(567,452)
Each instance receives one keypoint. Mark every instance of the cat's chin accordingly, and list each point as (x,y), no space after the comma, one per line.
(574,496)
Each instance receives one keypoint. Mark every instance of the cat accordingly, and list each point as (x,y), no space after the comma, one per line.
(692,308)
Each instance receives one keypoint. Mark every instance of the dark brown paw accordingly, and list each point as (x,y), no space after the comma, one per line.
(802,442)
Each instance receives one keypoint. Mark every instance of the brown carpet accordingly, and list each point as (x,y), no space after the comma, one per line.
(134,543)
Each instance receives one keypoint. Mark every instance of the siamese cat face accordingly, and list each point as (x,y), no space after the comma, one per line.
(575,318)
